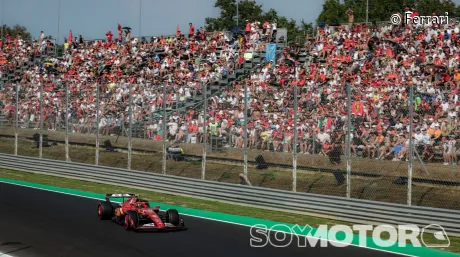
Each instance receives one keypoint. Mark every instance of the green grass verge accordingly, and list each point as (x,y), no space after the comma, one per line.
(190,202)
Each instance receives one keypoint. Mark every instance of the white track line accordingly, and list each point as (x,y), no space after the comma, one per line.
(223,221)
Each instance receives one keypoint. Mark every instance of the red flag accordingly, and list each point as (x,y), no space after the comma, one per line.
(177,30)
(70,37)
(357,108)
(120,28)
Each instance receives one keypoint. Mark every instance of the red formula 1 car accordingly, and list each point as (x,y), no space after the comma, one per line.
(136,214)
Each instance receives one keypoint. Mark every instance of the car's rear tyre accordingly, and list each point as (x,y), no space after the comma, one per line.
(105,210)
(172,216)
(131,220)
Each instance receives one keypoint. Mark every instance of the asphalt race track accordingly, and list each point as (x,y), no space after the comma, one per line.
(46,224)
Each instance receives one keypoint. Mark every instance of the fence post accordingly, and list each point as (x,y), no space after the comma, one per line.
(313,136)
(452,152)
(347,146)
(205,131)
(67,122)
(294,149)
(245,146)
(130,126)
(411,146)
(177,102)
(40,151)
(164,129)
(16,115)
(97,123)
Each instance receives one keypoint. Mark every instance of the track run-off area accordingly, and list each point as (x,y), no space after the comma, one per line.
(45,221)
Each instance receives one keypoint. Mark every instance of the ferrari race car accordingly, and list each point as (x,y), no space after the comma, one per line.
(136,214)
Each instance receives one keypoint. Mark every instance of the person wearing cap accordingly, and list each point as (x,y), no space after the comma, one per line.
(437,133)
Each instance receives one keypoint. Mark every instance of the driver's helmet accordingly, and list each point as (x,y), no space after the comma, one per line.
(142,203)
(118,212)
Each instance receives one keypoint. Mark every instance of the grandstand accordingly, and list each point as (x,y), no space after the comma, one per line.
(321,62)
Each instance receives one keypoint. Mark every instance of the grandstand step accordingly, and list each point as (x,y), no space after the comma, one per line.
(222,82)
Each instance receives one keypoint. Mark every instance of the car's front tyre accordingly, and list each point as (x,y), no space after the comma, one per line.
(172,216)
(131,220)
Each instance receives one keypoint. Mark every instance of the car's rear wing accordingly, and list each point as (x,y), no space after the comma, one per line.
(108,196)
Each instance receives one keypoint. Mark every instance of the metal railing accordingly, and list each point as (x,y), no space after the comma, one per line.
(351,210)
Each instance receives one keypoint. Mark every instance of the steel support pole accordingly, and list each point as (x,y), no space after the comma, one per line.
(97,122)
(67,122)
(348,137)
(411,146)
(58,22)
(367,11)
(164,129)
(16,117)
(140,19)
(40,151)
(130,126)
(237,12)
(294,149)
(205,131)
(313,136)
(245,146)
(3,15)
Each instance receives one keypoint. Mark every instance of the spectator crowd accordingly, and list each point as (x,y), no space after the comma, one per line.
(380,66)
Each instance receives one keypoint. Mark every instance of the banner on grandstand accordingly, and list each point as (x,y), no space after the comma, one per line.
(270,52)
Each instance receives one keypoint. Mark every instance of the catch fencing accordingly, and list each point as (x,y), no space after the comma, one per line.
(229,131)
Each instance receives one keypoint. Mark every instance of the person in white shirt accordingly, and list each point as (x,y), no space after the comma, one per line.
(418,138)
(324,137)
(426,138)
(173,126)
(274,30)
(42,37)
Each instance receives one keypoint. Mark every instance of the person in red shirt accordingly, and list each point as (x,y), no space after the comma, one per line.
(248,27)
(191,30)
(109,36)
